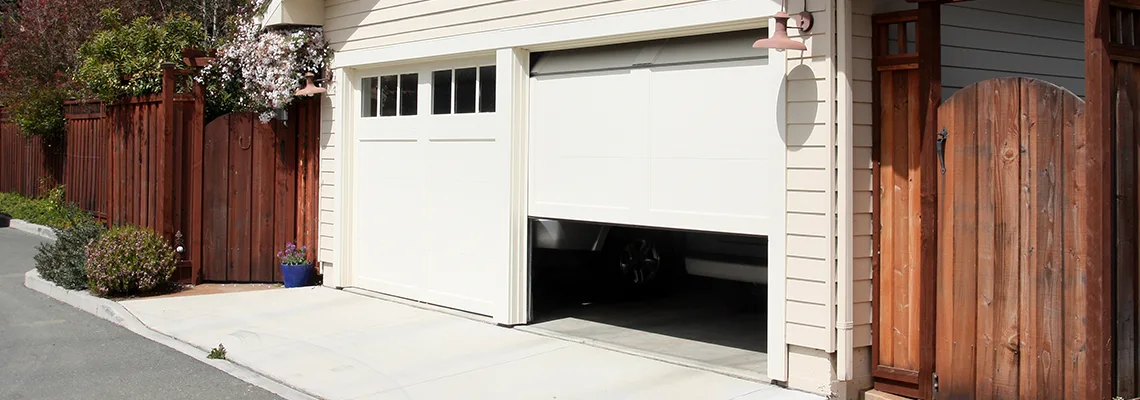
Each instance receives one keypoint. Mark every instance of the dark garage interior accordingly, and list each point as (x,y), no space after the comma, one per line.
(710,323)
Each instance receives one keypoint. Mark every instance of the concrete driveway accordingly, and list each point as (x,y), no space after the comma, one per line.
(53,351)
(341,345)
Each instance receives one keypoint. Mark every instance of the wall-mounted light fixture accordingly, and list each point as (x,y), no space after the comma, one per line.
(310,88)
(780,39)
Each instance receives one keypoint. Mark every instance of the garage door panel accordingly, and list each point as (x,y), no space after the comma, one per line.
(477,127)
(581,110)
(691,147)
(716,118)
(592,182)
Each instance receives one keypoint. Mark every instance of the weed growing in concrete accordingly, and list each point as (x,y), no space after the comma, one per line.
(217,353)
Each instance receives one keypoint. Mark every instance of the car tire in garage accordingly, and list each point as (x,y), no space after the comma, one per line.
(639,263)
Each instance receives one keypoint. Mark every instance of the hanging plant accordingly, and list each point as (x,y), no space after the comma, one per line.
(267,67)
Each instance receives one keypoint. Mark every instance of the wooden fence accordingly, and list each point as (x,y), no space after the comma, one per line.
(146,161)
(85,167)
(28,166)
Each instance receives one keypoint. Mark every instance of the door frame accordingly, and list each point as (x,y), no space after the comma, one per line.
(512,66)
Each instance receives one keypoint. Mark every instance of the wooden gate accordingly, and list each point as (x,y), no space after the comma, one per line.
(256,196)
(1011,291)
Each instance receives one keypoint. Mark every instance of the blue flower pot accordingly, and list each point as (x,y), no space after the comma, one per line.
(297,275)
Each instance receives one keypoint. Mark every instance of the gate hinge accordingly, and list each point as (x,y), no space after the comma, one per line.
(935,384)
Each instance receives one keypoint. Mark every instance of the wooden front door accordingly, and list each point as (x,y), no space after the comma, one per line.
(1009,286)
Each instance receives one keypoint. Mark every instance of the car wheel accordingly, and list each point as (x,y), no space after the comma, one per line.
(639,262)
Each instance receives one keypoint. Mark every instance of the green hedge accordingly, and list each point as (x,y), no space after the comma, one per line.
(50,210)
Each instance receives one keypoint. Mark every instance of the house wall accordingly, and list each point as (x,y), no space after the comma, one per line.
(374,33)
(811,184)
(360,24)
(985,39)
(862,182)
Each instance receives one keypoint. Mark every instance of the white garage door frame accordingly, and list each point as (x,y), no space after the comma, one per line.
(509,301)
(692,18)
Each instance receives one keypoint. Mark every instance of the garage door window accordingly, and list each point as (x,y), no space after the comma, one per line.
(389,95)
(463,90)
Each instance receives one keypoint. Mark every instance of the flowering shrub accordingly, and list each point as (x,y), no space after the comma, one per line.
(293,255)
(63,261)
(128,260)
(267,66)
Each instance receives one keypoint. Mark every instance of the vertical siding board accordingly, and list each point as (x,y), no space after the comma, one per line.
(1046,156)
(215,204)
(961,149)
(285,190)
(900,272)
(1033,122)
(263,202)
(240,218)
(947,315)
(1072,338)
(312,197)
(989,115)
(1126,229)
(913,207)
(887,144)
(1005,144)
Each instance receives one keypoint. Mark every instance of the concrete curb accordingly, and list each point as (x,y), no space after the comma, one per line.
(28,227)
(115,312)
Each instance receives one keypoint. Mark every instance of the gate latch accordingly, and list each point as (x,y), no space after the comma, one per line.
(940,147)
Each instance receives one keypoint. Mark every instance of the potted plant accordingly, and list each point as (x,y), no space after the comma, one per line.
(296,268)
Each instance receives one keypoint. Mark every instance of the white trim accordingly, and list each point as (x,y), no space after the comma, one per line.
(346,93)
(703,17)
(274,7)
(833,185)
(845,154)
(512,97)
(778,240)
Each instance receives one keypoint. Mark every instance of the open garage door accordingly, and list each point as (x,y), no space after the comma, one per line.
(430,186)
(678,133)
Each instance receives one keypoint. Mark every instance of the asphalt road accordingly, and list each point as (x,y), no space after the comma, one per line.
(50,350)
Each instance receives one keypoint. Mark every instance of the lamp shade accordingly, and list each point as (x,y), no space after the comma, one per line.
(780,39)
(310,87)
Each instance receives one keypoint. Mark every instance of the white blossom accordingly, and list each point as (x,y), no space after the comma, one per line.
(270,65)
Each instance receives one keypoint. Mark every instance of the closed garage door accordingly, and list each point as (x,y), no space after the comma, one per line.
(678,133)
(430,185)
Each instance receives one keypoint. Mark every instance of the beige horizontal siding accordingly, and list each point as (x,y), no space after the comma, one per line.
(361,24)
(863,184)
(811,193)
(329,169)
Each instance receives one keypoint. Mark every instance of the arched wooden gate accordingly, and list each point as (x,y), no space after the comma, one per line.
(1008,284)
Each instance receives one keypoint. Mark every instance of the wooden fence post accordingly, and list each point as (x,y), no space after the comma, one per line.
(197,132)
(165,176)
(1093,250)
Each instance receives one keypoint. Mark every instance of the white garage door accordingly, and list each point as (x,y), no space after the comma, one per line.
(430,185)
(678,133)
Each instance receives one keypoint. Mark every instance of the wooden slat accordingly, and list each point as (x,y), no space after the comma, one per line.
(312,196)
(911,201)
(264,161)
(1005,191)
(197,141)
(1126,228)
(285,189)
(240,218)
(1092,185)
(215,203)
(887,296)
(959,155)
